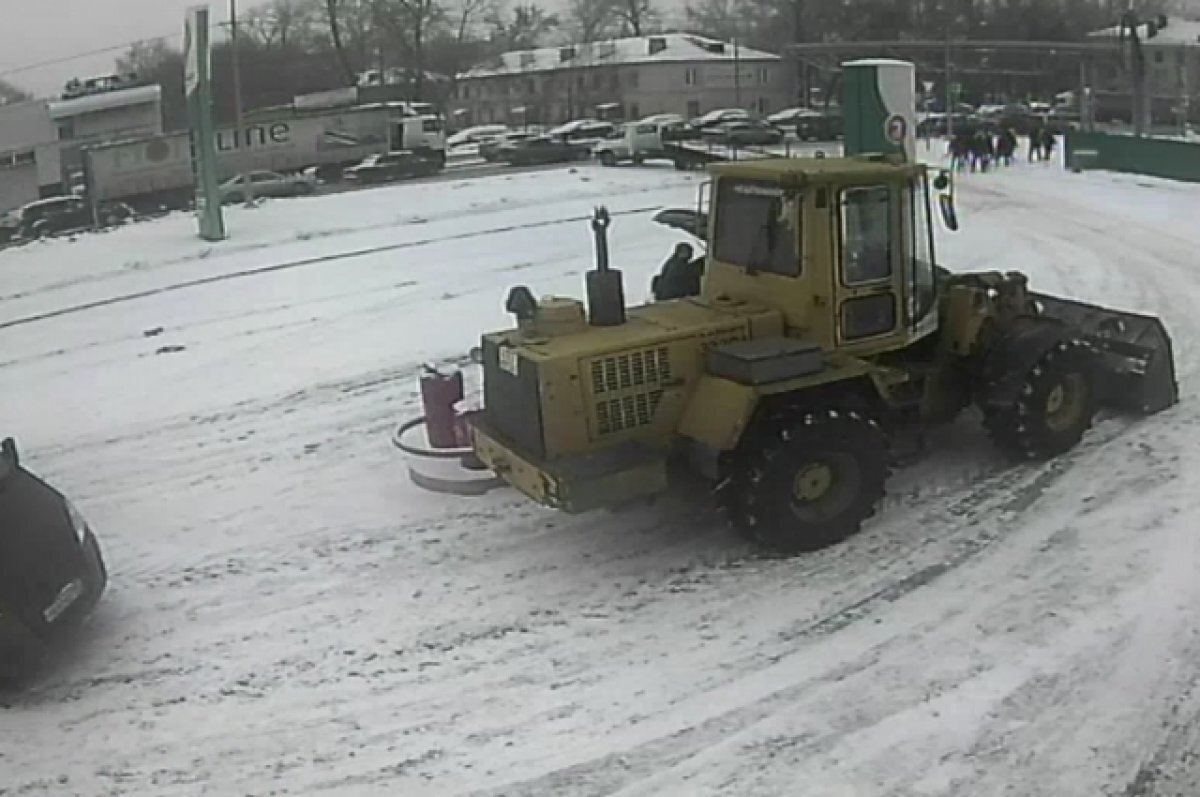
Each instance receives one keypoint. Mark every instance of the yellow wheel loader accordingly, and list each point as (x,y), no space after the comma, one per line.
(822,327)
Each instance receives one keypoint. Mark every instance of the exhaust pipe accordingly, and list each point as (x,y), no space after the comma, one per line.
(605,286)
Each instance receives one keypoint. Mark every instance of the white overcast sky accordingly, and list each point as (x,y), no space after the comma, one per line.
(35,31)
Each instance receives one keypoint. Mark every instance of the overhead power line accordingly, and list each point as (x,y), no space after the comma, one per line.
(66,59)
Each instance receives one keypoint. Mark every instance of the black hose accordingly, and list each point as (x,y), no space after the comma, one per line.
(427,453)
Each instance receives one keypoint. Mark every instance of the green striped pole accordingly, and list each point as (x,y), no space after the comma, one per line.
(880,107)
(197,84)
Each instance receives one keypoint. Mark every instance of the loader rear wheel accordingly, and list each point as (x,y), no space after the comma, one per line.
(806,480)
(1053,409)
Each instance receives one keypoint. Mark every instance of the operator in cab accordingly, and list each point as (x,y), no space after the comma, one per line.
(680,275)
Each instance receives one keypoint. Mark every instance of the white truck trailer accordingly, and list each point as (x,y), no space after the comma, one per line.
(156,171)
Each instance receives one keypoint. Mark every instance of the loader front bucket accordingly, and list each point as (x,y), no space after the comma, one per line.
(1134,358)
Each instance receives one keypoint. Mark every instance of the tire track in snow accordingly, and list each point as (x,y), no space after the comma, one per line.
(304,263)
(997,504)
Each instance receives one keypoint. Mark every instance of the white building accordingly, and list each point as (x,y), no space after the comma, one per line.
(1172,52)
(623,78)
(40,140)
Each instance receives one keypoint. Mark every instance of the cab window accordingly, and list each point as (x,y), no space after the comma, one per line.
(756,227)
(866,235)
(923,291)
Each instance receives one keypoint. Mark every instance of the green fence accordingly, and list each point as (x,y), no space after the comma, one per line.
(1157,157)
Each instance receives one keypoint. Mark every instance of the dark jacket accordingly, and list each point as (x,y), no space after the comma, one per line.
(679,278)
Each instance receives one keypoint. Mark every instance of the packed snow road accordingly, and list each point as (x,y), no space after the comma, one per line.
(289,616)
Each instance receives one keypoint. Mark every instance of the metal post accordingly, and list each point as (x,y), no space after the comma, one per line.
(239,128)
(737,73)
(1083,102)
(1183,92)
(949,92)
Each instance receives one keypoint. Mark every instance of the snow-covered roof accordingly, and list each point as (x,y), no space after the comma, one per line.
(663,48)
(1177,33)
(104,101)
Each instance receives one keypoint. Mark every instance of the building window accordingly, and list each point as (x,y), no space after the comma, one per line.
(634,111)
(1158,56)
(634,78)
(764,106)
(764,76)
(25,158)
(614,82)
(581,82)
(66,130)
(693,109)
(690,78)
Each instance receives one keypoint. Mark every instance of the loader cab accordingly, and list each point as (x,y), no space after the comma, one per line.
(842,247)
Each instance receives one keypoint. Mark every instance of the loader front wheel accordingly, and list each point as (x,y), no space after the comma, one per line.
(807,480)
(1053,409)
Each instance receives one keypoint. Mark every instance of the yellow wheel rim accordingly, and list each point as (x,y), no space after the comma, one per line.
(813,482)
(1066,402)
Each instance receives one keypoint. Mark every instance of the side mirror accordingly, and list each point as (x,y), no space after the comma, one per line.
(949,215)
(942,181)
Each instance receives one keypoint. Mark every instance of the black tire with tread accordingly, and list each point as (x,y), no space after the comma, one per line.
(756,498)
(1021,429)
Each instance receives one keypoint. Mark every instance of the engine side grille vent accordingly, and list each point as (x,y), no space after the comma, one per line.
(632,370)
(628,388)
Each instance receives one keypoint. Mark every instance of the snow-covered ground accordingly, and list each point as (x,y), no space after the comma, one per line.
(288,615)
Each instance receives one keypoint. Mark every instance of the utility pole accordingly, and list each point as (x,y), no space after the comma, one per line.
(949,91)
(737,72)
(239,127)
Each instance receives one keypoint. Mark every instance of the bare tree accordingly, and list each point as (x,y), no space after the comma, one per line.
(589,20)
(469,13)
(282,23)
(10,93)
(410,24)
(523,28)
(333,19)
(725,19)
(635,16)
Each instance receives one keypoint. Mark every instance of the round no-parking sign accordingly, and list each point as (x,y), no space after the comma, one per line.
(895,129)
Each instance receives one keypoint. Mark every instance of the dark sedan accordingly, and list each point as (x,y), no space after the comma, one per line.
(542,150)
(63,214)
(823,126)
(743,134)
(51,571)
(392,166)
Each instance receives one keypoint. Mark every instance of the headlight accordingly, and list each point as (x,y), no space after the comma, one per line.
(78,524)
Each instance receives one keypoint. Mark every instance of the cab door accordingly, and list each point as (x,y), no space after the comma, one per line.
(869,278)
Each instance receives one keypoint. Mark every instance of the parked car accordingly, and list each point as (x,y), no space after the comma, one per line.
(635,142)
(744,133)
(51,571)
(63,214)
(10,227)
(490,150)
(591,130)
(719,116)
(824,126)
(664,119)
(542,150)
(269,184)
(390,166)
(679,131)
(476,135)
(788,117)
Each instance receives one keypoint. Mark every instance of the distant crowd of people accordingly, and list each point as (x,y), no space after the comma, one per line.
(980,149)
